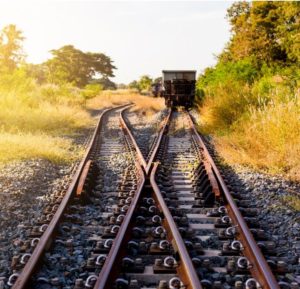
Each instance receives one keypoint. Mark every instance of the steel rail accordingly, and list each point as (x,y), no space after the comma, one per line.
(47,237)
(146,165)
(128,131)
(107,273)
(187,270)
(260,269)
(158,141)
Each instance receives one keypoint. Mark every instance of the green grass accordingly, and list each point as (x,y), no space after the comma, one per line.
(35,118)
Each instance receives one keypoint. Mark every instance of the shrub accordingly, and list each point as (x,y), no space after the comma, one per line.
(266,138)
(223,105)
(92,90)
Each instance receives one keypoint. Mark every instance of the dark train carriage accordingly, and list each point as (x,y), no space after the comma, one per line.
(156,89)
(179,87)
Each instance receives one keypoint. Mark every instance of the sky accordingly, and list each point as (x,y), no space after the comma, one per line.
(141,37)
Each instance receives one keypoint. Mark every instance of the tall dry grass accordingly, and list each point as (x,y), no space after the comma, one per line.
(34,119)
(22,146)
(267,138)
(144,104)
(255,124)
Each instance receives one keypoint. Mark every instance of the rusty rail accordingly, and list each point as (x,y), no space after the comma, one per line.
(187,269)
(47,237)
(144,164)
(260,269)
(107,273)
(128,131)
(158,140)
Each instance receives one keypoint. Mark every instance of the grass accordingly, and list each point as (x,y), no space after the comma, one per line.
(35,119)
(25,146)
(143,104)
(266,139)
(292,201)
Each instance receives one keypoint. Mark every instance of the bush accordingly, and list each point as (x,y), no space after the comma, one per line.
(92,90)
(267,138)
(241,71)
(223,105)
(33,117)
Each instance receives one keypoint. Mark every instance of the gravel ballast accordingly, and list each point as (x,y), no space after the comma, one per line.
(145,128)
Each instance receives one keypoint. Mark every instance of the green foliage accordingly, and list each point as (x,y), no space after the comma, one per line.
(250,99)
(224,104)
(36,71)
(106,83)
(267,30)
(40,103)
(92,90)
(241,71)
(74,66)
(11,53)
(143,84)
(134,85)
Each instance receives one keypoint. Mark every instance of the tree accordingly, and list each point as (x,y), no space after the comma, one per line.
(288,29)
(145,83)
(72,65)
(133,85)
(100,63)
(36,71)
(11,50)
(105,82)
(266,30)
(158,80)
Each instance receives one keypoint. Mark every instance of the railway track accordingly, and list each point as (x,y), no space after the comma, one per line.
(170,221)
(76,232)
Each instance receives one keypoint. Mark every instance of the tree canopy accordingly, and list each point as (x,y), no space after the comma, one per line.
(143,84)
(72,65)
(11,52)
(266,30)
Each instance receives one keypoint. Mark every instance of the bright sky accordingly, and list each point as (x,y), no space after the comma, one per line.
(142,37)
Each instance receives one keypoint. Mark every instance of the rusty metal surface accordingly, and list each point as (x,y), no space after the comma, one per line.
(144,164)
(107,273)
(187,270)
(260,269)
(212,179)
(83,177)
(128,131)
(160,135)
(47,236)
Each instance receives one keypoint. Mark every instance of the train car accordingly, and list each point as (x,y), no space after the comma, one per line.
(156,89)
(179,88)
